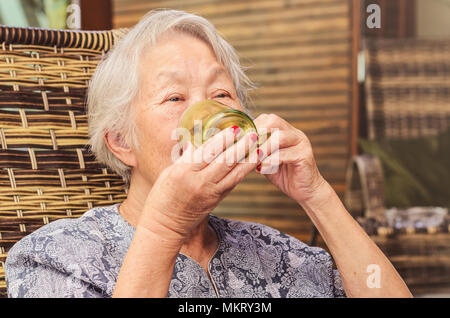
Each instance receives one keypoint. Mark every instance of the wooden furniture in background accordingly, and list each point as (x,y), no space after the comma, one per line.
(407,90)
(422,260)
(421,256)
(46,170)
(300,54)
(364,196)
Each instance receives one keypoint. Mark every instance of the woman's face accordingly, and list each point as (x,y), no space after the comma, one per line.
(177,72)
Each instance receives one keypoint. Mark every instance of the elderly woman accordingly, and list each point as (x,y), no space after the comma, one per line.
(162,241)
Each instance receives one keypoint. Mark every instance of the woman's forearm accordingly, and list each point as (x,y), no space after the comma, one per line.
(355,254)
(148,266)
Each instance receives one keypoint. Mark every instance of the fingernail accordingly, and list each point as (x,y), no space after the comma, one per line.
(260,153)
(254,137)
(236,130)
(258,168)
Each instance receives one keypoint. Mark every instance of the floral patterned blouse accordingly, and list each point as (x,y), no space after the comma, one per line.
(82,258)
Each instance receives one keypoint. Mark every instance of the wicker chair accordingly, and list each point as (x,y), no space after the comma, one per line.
(46,171)
(408,95)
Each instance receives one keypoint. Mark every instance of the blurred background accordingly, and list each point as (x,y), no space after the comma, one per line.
(367,81)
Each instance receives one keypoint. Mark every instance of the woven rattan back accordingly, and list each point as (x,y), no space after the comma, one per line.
(46,170)
(407,87)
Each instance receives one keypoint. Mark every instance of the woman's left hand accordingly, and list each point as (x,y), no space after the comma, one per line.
(291,165)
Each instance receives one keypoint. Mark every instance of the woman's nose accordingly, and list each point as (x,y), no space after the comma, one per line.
(197,97)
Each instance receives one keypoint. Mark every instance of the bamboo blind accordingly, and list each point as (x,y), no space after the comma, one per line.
(300,55)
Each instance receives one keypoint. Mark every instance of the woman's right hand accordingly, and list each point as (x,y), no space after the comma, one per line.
(189,189)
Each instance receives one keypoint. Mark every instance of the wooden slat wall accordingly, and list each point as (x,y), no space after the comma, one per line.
(300,54)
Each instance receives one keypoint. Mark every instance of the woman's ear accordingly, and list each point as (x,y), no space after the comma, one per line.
(120,149)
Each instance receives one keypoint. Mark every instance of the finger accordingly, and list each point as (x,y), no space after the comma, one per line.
(271,163)
(269,123)
(186,152)
(240,171)
(208,151)
(279,139)
(272,121)
(225,162)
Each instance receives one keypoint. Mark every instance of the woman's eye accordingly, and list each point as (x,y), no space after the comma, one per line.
(174,99)
(223,95)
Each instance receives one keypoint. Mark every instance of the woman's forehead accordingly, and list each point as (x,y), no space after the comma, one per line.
(178,58)
(167,72)
(215,71)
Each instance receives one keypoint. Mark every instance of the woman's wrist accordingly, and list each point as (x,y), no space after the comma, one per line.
(161,238)
(156,225)
(322,195)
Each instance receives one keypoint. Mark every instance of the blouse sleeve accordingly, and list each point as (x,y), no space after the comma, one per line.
(27,278)
(339,291)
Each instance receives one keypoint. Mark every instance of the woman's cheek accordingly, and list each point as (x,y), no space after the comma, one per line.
(237,105)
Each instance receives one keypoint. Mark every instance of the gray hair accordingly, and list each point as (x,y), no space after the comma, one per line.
(115,83)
